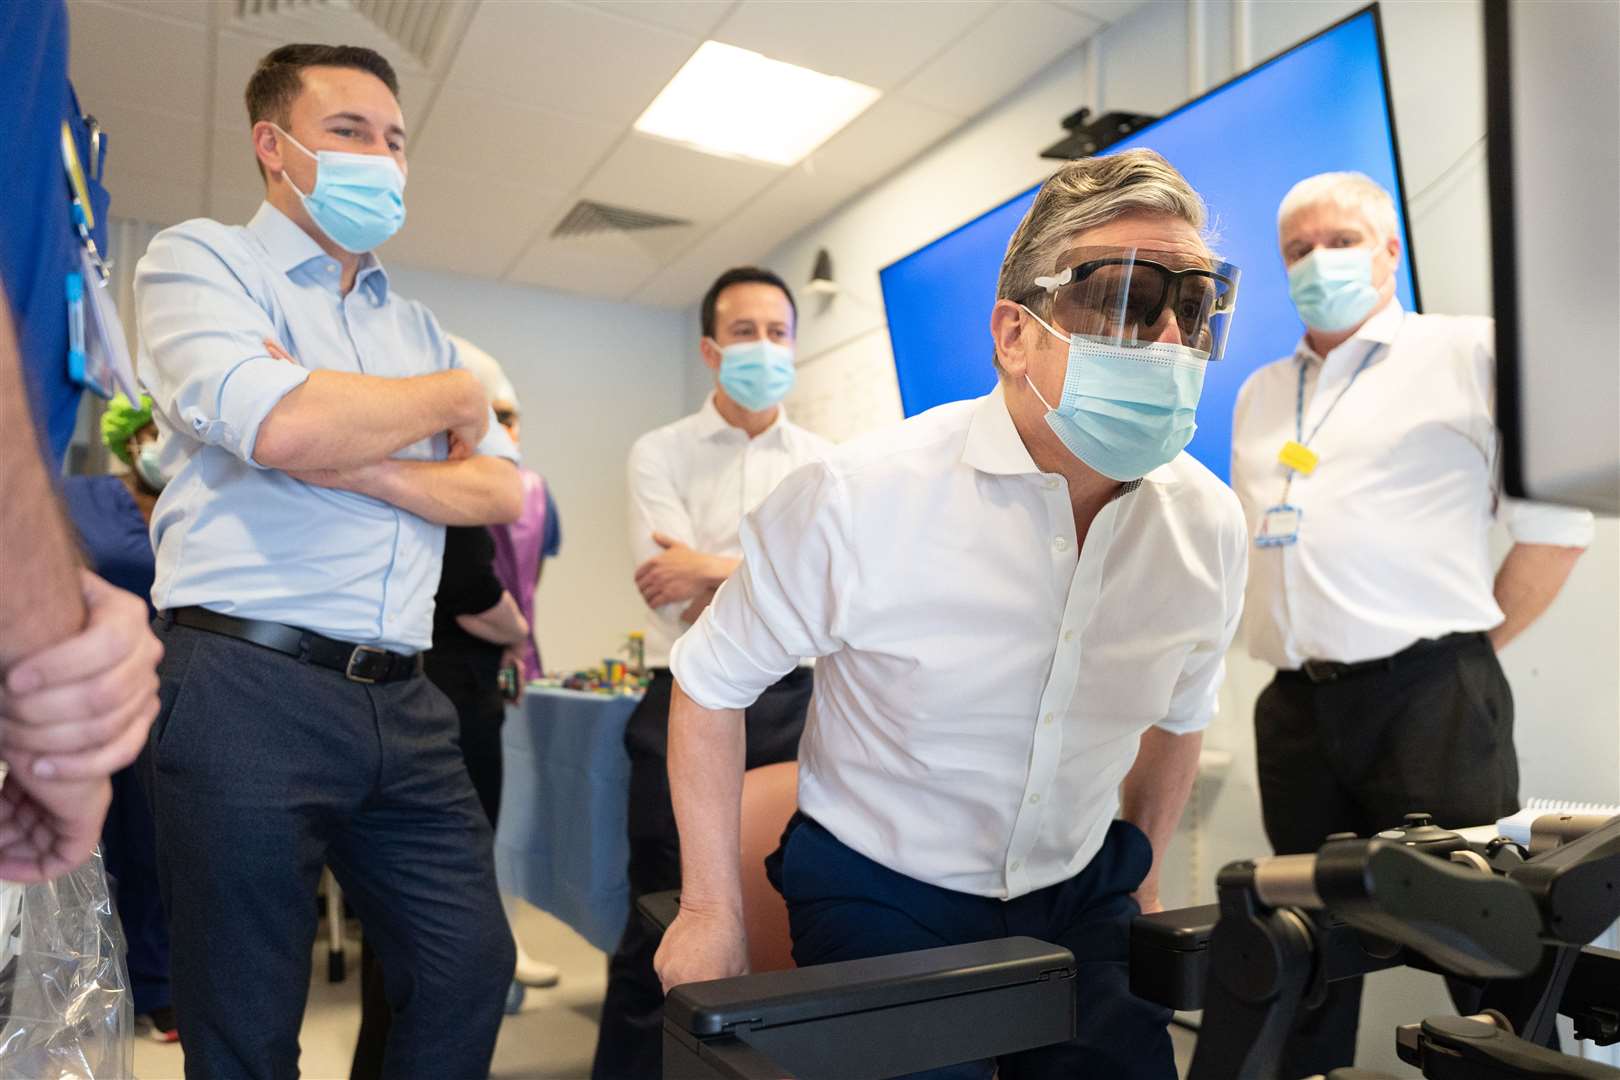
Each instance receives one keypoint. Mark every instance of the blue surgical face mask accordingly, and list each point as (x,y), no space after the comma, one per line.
(359,199)
(146,466)
(756,374)
(1125,409)
(1333,288)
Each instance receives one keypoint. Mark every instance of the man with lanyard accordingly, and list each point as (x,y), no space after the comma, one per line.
(1365,463)
(320,435)
(77,658)
(691,482)
(1022,605)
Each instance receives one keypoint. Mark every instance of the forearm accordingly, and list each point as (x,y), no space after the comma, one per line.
(41,602)
(474,491)
(1526,585)
(502,624)
(1155,792)
(339,420)
(707,753)
(718,569)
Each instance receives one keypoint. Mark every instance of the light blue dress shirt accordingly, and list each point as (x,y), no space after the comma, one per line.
(253,542)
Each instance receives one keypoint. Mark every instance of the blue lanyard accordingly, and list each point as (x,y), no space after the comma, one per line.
(1299,398)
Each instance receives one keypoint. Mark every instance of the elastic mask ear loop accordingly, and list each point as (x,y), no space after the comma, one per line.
(288,176)
(1039,396)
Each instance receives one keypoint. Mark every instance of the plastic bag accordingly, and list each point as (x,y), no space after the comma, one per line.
(64,988)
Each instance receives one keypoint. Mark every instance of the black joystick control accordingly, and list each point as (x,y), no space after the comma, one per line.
(1422,834)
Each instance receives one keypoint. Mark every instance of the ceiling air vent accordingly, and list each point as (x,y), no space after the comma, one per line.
(588,218)
(422,28)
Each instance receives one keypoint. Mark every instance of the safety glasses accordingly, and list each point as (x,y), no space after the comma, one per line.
(1137,296)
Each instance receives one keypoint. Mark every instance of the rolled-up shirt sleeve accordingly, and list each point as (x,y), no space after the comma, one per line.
(1194,702)
(202,343)
(1546,523)
(786,602)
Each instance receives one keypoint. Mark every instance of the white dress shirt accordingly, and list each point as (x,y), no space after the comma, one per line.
(1393,541)
(985,680)
(693,481)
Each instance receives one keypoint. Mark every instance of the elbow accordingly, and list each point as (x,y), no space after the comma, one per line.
(276,446)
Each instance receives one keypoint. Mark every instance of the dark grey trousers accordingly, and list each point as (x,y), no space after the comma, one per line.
(1433,732)
(262,770)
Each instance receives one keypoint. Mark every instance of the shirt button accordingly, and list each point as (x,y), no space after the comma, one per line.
(1051,483)
(1015,865)
(1061,543)
(1068,635)
(1048,719)
(1033,799)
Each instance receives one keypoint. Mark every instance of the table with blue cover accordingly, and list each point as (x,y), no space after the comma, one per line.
(561,843)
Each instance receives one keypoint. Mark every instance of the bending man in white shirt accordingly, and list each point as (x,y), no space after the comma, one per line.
(691,482)
(1366,464)
(1021,614)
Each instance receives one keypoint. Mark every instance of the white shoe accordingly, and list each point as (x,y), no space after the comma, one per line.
(531,972)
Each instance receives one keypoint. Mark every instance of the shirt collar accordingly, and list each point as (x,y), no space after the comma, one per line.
(1380,329)
(994,445)
(710,423)
(290,249)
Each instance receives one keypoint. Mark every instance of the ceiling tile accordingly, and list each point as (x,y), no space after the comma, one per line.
(1108,11)
(876,42)
(697,17)
(648,174)
(886,136)
(151,143)
(569,58)
(159,200)
(801,198)
(239,55)
(605,265)
(470,130)
(121,55)
(1001,54)
(467,222)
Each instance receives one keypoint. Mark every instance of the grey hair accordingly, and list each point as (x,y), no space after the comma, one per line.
(1083,195)
(1349,190)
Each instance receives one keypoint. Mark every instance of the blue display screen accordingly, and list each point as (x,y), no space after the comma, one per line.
(1319,107)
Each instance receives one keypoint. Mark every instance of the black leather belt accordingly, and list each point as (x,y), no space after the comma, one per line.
(1326,671)
(358,663)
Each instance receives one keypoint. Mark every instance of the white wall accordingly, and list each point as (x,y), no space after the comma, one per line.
(1565,671)
(592,375)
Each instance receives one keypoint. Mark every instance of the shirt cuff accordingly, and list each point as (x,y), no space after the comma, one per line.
(715,671)
(1545,523)
(1193,712)
(246,396)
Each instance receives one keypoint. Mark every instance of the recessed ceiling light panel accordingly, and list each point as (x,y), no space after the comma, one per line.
(737,103)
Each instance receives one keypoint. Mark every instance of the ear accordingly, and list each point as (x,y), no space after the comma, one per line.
(710,353)
(267,147)
(1009,323)
(1393,247)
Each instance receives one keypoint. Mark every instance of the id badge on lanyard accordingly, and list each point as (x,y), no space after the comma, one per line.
(1279,526)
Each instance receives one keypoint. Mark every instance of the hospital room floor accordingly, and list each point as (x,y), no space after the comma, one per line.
(553,1038)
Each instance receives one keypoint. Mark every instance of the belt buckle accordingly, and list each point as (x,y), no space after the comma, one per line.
(354,658)
(1320,671)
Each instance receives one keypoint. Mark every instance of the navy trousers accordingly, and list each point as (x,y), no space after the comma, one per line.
(129,848)
(844,906)
(261,770)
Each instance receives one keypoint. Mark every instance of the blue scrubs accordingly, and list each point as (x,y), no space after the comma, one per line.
(38,244)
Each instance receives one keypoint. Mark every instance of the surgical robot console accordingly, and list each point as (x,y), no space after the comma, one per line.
(1515,920)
